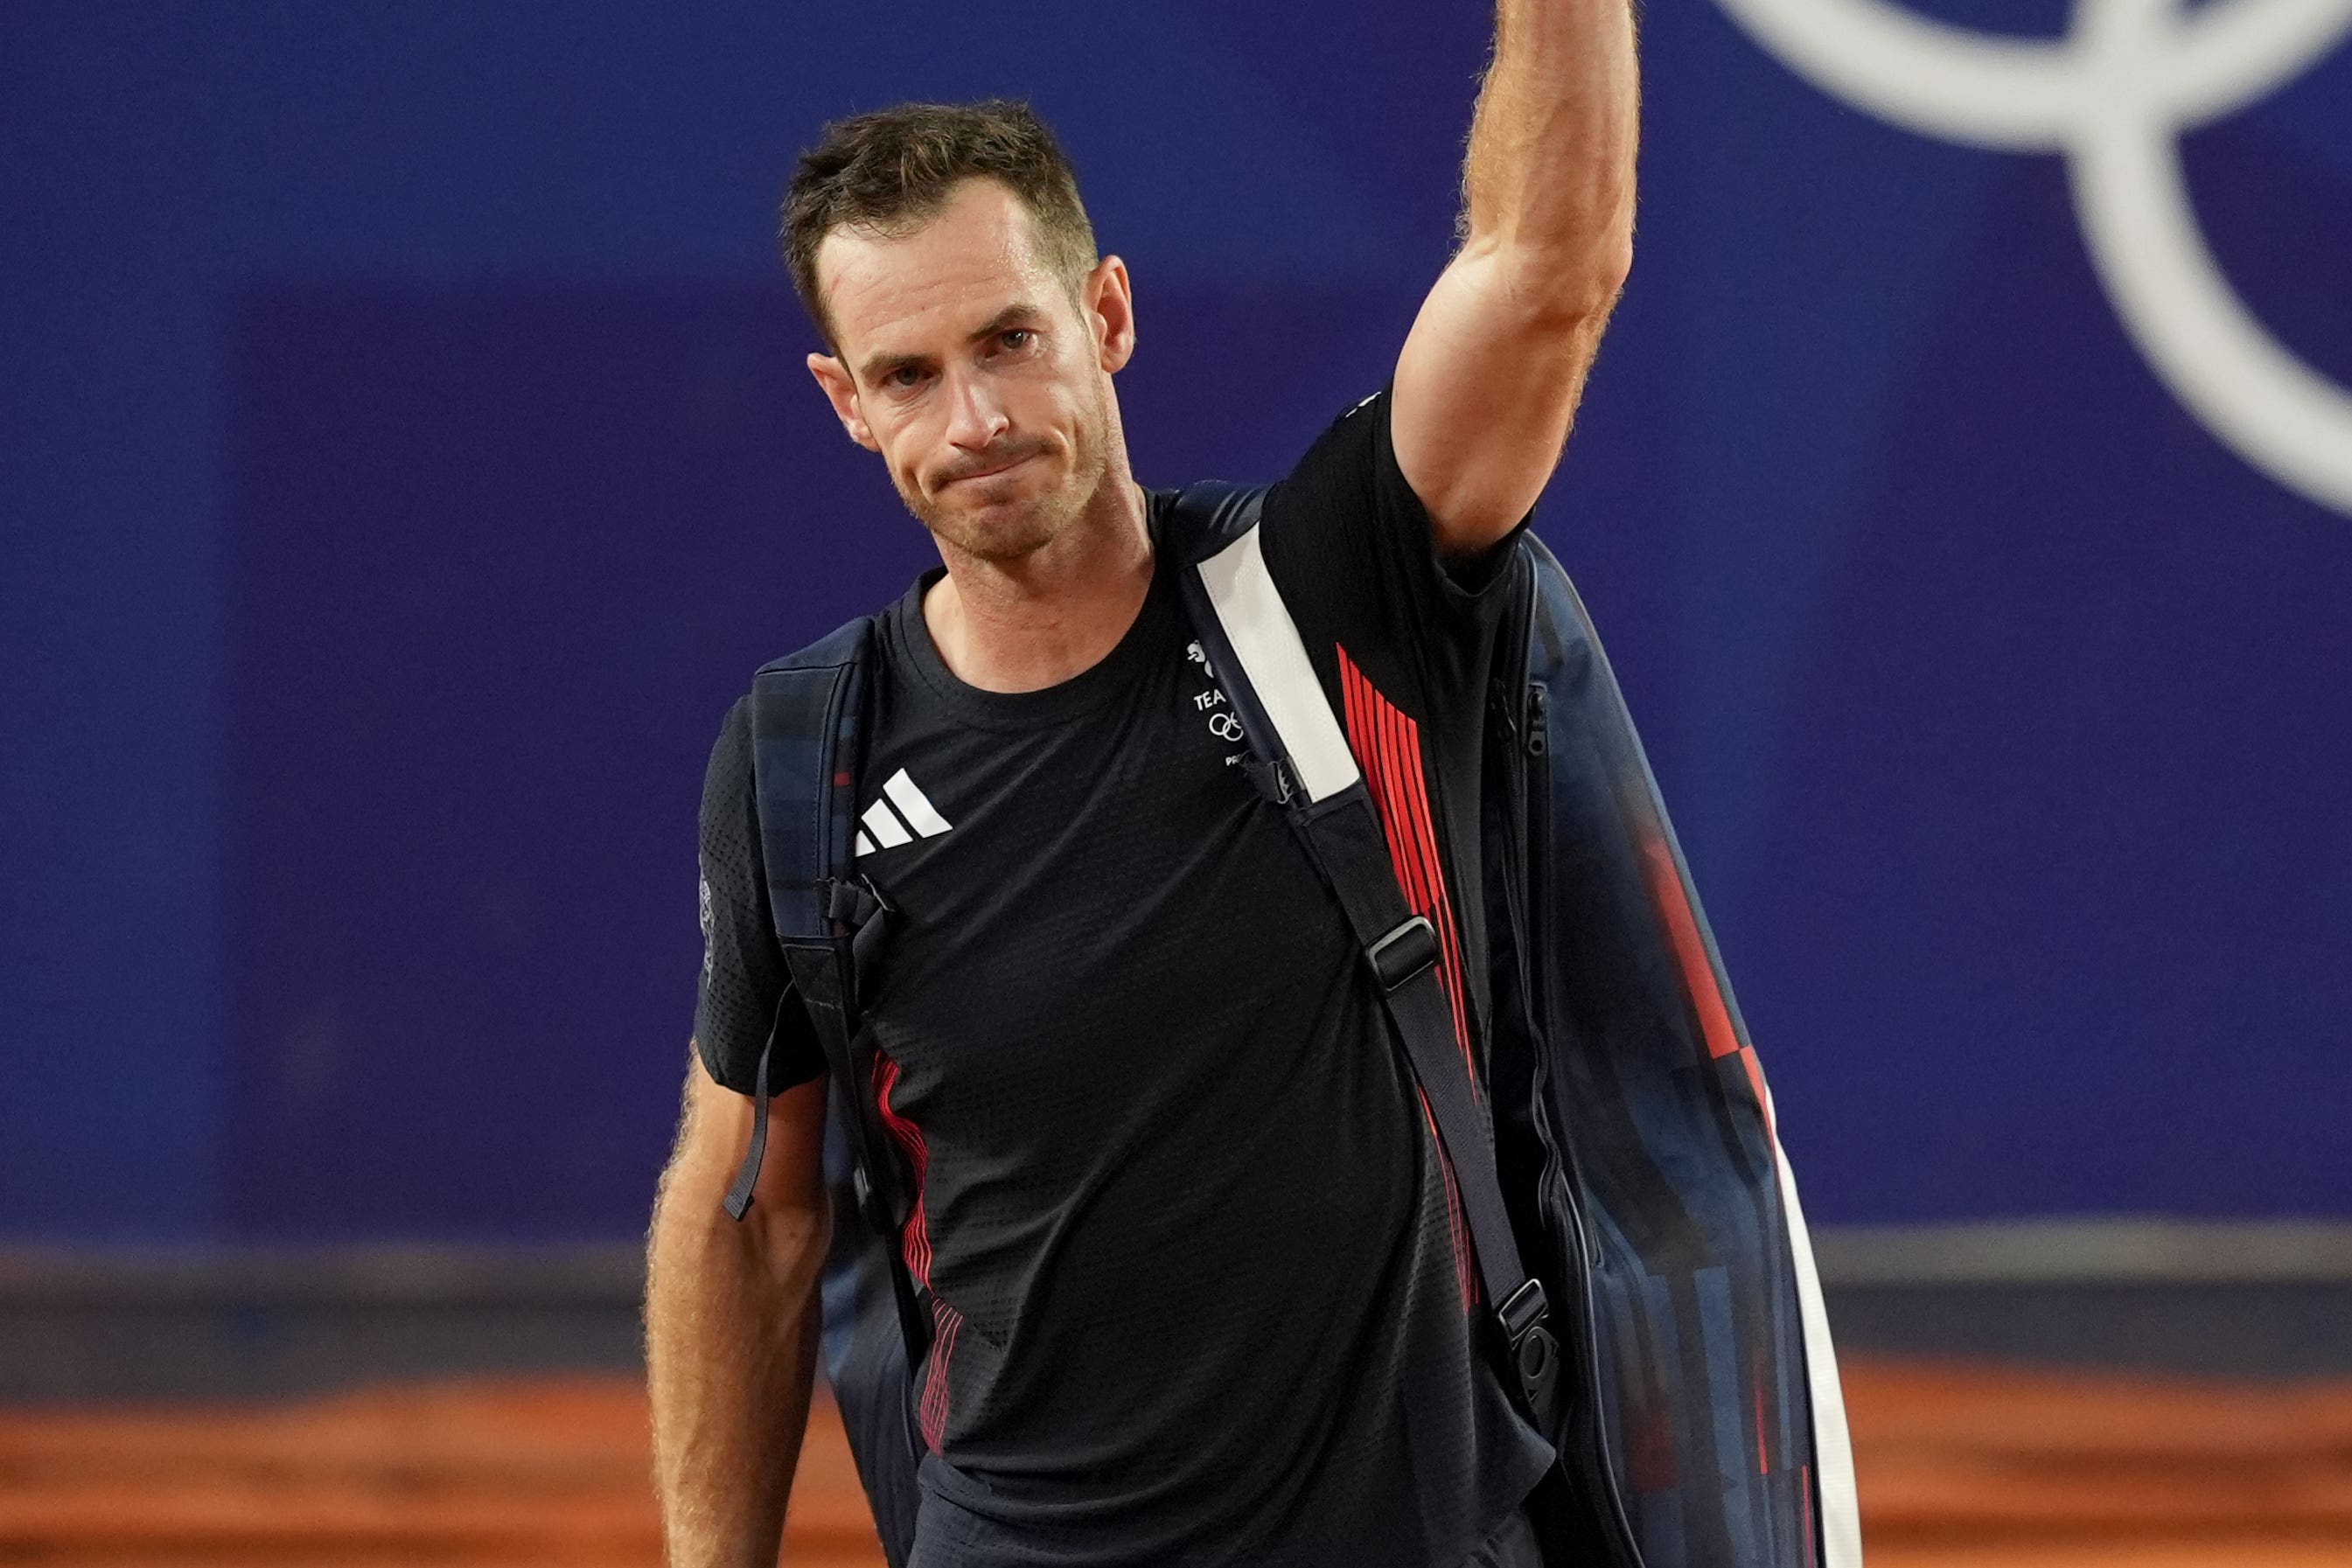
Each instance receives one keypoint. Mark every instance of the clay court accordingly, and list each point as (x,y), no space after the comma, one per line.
(1961,1466)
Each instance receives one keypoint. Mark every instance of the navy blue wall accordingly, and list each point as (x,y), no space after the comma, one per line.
(408,458)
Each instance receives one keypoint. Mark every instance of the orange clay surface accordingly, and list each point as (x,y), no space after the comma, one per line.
(1962,1466)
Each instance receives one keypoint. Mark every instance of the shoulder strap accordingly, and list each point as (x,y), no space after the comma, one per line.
(807,711)
(1302,763)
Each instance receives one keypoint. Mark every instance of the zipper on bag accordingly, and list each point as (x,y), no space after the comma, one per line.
(1527,896)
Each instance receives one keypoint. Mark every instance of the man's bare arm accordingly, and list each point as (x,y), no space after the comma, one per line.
(1491,374)
(731,1321)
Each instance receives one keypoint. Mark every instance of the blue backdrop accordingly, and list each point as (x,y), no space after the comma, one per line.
(409,459)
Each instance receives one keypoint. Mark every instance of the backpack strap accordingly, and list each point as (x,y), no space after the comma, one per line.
(807,711)
(1301,762)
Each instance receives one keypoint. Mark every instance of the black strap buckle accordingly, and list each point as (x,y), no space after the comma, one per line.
(1272,780)
(852,901)
(1535,1355)
(1405,952)
(1527,1309)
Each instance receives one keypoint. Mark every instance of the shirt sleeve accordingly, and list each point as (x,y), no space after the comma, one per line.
(745,992)
(1355,554)
(1404,644)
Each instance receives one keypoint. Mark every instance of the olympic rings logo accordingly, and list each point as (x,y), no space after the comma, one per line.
(2113,96)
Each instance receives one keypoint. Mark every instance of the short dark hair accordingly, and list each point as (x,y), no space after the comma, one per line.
(889,171)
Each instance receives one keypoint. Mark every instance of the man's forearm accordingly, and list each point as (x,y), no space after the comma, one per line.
(1550,176)
(732,1321)
(1489,380)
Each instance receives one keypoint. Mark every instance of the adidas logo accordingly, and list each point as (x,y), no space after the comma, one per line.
(883,827)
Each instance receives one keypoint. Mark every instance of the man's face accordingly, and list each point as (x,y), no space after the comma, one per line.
(962,360)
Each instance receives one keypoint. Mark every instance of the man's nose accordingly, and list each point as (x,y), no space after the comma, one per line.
(975,418)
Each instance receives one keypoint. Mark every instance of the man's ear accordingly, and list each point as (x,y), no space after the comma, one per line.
(1110,301)
(842,392)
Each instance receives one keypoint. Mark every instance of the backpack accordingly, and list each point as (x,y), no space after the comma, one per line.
(1649,1294)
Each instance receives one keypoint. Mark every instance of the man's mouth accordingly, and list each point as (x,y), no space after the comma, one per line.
(1005,467)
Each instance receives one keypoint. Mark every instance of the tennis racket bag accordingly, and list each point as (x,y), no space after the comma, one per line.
(1648,1290)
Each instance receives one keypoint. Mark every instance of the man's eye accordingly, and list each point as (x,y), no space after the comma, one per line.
(1015,338)
(904,376)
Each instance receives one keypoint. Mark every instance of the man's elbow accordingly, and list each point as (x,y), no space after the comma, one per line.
(792,1241)
(1607,266)
(782,1238)
(787,1227)
(1571,286)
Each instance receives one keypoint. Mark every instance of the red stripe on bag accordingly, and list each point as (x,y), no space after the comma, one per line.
(1690,948)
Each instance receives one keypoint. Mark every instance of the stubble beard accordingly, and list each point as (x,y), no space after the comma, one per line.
(1004,535)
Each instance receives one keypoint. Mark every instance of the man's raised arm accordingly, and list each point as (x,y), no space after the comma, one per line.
(1491,373)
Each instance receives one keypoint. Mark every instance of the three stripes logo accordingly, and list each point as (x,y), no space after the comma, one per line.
(903,814)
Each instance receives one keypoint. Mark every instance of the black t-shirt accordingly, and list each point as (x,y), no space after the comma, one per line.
(1201,1281)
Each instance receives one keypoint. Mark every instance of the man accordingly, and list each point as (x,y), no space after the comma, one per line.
(1193,1254)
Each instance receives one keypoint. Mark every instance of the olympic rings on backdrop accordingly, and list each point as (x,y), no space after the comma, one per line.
(2115,96)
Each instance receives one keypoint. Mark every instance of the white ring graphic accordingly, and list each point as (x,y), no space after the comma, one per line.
(2115,96)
